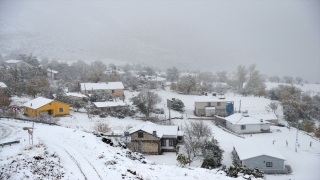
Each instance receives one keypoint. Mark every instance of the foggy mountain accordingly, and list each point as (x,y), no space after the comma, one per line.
(281,38)
(79,38)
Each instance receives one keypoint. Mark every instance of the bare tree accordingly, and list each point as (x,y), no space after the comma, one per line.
(299,80)
(241,75)
(288,79)
(195,134)
(187,84)
(273,106)
(96,72)
(145,101)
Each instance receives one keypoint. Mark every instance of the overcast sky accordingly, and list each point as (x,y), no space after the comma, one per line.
(281,37)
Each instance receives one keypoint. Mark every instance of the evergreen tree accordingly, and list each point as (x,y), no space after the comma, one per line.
(212,154)
(177,105)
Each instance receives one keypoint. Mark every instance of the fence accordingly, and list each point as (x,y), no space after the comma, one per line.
(9,143)
(29,120)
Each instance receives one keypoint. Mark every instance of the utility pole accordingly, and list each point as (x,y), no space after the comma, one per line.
(32,132)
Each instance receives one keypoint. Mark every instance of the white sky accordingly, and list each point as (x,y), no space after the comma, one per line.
(281,37)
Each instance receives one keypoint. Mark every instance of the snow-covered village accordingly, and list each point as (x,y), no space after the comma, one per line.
(89,91)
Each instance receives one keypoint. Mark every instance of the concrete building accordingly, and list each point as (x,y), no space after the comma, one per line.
(211,105)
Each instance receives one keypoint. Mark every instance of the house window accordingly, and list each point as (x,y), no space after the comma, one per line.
(243,127)
(209,104)
(269,164)
(26,109)
(163,142)
(60,109)
(218,103)
(112,91)
(170,142)
(140,134)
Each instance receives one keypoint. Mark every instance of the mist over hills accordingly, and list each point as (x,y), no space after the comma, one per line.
(282,39)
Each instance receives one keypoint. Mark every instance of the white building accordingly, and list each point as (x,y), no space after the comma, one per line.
(244,123)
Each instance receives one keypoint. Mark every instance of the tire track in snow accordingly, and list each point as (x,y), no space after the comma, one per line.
(77,163)
(5,131)
(92,167)
(77,155)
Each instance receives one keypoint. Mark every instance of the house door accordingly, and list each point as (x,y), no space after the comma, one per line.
(139,146)
(50,112)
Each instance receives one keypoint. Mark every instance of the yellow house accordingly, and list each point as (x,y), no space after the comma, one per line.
(52,107)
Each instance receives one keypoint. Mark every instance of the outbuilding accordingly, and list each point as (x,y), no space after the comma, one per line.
(109,106)
(263,156)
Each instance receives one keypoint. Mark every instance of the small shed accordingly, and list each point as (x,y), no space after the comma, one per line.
(263,156)
(109,106)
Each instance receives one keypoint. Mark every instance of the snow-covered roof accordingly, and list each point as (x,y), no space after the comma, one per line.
(155,78)
(210,108)
(53,71)
(76,95)
(12,61)
(37,103)
(3,85)
(210,99)
(269,116)
(161,130)
(238,118)
(247,149)
(109,104)
(101,86)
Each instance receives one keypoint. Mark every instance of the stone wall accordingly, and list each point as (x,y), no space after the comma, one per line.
(148,144)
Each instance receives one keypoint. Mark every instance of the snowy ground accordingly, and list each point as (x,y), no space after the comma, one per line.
(313,89)
(79,151)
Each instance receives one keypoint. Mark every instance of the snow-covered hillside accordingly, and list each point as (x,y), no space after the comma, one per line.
(313,89)
(84,155)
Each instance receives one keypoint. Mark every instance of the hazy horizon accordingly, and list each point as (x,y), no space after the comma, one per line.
(281,37)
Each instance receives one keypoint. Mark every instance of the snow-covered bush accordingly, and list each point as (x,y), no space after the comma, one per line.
(122,112)
(44,165)
(237,170)
(102,127)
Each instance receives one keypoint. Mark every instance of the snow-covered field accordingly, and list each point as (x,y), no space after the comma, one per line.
(84,156)
(313,89)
